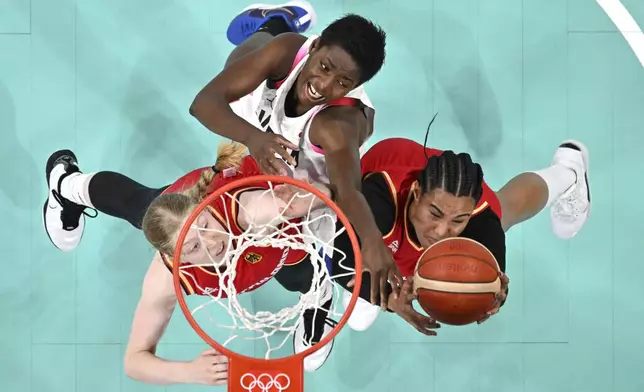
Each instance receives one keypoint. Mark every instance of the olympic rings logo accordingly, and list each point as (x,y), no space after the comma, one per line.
(265,382)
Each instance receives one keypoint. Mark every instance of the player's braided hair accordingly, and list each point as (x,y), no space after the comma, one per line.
(229,155)
(454,173)
(167,213)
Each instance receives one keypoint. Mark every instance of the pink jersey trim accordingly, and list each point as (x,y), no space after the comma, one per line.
(304,50)
(346,101)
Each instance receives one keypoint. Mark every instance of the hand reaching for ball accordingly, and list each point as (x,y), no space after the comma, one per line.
(402,304)
(500,298)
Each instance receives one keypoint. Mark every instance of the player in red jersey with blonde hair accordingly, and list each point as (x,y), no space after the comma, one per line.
(246,205)
(161,214)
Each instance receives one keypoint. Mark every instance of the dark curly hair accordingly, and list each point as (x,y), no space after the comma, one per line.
(362,39)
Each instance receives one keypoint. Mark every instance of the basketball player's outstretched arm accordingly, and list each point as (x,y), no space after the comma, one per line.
(212,104)
(151,318)
(262,207)
(340,130)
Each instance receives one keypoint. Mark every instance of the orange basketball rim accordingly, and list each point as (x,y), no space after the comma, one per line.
(249,374)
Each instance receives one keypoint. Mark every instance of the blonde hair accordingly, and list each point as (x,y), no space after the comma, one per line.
(167,213)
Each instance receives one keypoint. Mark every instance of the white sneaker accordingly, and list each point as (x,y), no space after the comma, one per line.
(364,313)
(64,220)
(569,212)
(314,326)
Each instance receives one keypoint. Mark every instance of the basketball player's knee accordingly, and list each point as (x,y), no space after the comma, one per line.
(522,198)
(510,207)
(256,41)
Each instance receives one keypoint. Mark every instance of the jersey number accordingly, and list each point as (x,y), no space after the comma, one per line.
(264,120)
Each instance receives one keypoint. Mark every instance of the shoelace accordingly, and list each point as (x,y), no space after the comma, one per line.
(314,321)
(319,324)
(71,212)
(570,206)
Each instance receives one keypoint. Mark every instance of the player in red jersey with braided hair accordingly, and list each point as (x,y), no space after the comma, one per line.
(420,196)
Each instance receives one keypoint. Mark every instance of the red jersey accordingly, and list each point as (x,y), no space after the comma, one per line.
(400,161)
(258,264)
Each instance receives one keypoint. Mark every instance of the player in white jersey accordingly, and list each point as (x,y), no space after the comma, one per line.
(285,95)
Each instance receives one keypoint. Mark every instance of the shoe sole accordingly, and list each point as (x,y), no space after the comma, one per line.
(49,167)
(305,5)
(328,355)
(296,3)
(585,156)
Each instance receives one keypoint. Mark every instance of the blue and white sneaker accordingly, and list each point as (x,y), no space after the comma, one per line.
(298,14)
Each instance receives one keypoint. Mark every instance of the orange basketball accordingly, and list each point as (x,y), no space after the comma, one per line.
(457,280)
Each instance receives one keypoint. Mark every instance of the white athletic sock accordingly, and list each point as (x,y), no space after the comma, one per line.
(558,178)
(75,188)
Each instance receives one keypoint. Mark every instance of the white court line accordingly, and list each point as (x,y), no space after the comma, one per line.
(626,25)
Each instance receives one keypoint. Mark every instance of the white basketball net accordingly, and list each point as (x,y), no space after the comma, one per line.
(315,230)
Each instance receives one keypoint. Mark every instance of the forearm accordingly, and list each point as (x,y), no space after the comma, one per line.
(148,368)
(355,207)
(214,113)
(260,208)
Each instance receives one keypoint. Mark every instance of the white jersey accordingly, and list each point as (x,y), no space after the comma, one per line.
(264,108)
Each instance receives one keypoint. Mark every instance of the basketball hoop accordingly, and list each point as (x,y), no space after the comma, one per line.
(245,372)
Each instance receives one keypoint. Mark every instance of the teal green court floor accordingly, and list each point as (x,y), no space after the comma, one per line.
(511,79)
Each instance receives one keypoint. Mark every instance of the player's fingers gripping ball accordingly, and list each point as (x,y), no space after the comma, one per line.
(457,281)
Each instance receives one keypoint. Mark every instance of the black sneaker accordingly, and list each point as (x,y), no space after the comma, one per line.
(64,220)
(314,325)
